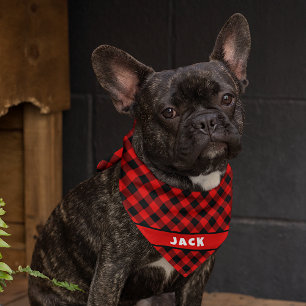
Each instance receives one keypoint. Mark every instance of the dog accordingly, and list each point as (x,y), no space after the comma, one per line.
(188,124)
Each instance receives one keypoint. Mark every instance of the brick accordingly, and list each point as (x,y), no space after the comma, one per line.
(137,27)
(262,258)
(277,61)
(269,175)
(77,142)
(109,128)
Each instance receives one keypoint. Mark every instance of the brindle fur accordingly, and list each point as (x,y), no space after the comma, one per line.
(89,239)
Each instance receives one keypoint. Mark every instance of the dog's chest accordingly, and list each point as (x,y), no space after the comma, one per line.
(206,182)
(163,264)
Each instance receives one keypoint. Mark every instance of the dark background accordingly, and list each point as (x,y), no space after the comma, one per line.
(266,249)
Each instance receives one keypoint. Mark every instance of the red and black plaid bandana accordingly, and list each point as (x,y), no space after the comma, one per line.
(185,227)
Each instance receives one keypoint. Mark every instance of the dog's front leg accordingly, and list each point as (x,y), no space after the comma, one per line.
(108,281)
(191,292)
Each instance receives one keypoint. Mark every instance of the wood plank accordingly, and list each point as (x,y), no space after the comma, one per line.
(17,238)
(34,54)
(15,295)
(13,120)
(11,174)
(17,231)
(20,302)
(43,169)
(16,292)
(14,257)
(232,299)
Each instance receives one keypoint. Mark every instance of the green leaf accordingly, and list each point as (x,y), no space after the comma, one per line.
(2,284)
(3,224)
(2,203)
(2,212)
(3,233)
(0,256)
(6,276)
(4,267)
(68,286)
(34,273)
(3,244)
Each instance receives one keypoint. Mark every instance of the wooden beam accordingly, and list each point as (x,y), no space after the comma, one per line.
(43,169)
(34,54)
(11,174)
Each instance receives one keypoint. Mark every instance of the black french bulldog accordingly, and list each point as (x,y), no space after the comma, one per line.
(189,122)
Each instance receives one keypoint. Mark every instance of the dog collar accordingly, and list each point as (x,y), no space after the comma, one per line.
(185,227)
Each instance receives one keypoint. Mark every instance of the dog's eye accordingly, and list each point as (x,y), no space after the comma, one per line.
(227,99)
(169,113)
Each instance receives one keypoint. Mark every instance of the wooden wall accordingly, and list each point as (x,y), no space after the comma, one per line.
(34,68)
(30,175)
(12,184)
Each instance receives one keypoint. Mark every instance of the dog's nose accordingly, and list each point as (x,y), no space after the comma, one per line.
(207,123)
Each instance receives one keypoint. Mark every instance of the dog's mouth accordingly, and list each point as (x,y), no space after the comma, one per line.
(212,153)
(213,150)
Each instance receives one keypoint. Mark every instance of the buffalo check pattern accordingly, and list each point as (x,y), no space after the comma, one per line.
(162,209)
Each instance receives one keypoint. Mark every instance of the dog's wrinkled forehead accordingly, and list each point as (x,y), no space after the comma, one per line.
(129,82)
(193,83)
(196,87)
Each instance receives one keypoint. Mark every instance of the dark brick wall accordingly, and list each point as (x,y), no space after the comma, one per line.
(265,252)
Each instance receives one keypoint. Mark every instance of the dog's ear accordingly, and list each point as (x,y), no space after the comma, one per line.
(120,74)
(233,46)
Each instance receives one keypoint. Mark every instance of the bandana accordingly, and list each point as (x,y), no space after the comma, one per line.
(185,227)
